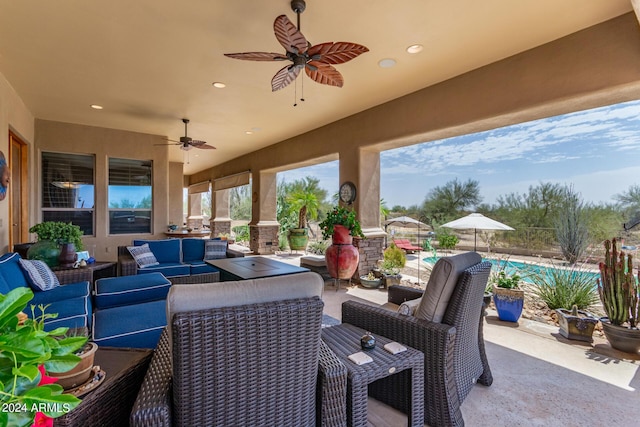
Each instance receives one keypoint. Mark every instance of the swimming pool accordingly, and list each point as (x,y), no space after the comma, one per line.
(524,270)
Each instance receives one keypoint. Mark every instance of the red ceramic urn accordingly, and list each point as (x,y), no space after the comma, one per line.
(342,257)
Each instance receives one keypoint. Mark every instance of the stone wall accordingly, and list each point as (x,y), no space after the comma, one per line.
(218,227)
(371,250)
(263,239)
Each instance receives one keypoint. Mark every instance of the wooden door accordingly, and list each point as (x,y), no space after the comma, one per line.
(17,192)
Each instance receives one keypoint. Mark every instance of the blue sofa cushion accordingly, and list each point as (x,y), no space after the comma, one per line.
(137,326)
(192,250)
(168,269)
(128,290)
(143,256)
(200,267)
(165,251)
(11,271)
(215,249)
(71,302)
(39,275)
(4,286)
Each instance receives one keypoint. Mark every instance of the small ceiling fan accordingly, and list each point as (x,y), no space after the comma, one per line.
(316,60)
(187,143)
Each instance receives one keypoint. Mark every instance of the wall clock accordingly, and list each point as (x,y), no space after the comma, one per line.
(348,192)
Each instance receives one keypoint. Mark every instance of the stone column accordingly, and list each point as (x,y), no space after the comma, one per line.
(362,167)
(263,228)
(220,213)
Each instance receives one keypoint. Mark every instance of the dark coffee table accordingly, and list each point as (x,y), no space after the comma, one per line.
(111,402)
(253,267)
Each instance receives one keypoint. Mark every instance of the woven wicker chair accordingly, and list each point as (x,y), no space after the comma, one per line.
(454,348)
(260,364)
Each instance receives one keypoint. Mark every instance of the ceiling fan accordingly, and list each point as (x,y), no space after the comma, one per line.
(316,60)
(187,143)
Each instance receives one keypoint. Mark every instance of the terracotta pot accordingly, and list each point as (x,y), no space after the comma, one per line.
(620,337)
(342,257)
(68,255)
(81,373)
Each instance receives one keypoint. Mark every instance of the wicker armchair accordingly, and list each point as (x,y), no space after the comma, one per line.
(454,348)
(260,364)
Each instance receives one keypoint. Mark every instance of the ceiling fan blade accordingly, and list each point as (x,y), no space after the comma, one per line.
(336,53)
(202,144)
(289,36)
(284,77)
(257,56)
(324,74)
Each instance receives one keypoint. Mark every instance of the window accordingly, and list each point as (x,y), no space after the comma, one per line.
(130,196)
(68,191)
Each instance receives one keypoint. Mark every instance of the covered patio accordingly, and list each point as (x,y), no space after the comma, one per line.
(151,64)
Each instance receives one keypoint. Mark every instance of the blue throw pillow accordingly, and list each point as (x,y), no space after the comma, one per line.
(143,255)
(39,275)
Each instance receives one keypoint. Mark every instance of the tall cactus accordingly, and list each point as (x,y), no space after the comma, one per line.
(617,287)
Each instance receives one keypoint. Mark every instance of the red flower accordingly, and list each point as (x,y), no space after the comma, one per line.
(44,379)
(41,420)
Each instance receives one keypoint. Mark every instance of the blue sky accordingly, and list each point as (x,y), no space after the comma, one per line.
(598,151)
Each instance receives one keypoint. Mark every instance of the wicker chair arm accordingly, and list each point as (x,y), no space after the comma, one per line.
(398,294)
(331,396)
(153,404)
(127,266)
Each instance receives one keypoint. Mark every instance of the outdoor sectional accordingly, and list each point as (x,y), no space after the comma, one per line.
(182,261)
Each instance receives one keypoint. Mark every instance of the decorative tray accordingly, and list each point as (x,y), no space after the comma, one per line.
(97,377)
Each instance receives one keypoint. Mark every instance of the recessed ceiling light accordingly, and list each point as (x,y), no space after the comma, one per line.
(248,132)
(96,106)
(387,63)
(219,85)
(415,48)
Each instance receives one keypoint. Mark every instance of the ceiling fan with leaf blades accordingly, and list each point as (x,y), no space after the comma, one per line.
(316,60)
(186,142)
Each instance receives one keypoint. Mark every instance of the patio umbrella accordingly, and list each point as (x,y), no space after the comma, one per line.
(408,222)
(477,222)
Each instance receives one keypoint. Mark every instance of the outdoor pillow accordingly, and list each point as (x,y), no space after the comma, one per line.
(442,282)
(143,255)
(39,275)
(215,249)
(408,308)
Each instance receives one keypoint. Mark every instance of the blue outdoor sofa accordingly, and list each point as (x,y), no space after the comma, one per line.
(71,301)
(179,260)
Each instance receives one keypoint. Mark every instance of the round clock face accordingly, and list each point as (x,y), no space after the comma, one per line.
(348,192)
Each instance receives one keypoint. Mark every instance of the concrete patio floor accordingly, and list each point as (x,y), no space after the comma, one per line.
(540,378)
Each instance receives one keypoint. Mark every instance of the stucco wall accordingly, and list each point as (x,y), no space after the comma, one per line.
(105,143)
(15,116)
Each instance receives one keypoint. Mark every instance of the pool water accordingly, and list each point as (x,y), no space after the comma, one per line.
(524,270)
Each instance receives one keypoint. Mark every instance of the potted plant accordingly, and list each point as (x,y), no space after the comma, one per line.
(370,281)
(27,353)
(342,257)
(507,297)
(389,269)
(63,236)
(576,324)
(619,292)
(82,372)
(306,203)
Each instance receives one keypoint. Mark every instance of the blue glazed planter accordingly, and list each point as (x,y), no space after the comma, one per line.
(509,303)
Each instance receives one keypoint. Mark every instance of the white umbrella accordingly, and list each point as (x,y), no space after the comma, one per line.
(407,221)
(477,222)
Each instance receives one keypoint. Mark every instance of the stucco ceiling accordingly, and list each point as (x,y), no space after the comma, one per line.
(151,62)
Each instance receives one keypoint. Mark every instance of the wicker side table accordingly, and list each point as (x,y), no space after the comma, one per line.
(344,339)
(111,402)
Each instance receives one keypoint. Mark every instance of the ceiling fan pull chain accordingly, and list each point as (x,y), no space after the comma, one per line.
(302,87)
(295,93)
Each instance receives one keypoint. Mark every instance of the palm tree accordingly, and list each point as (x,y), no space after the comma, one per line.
(306,203)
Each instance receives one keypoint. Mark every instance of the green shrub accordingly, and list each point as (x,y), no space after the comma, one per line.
(241,232)
(503,280)
(318,248)
(395,256)
(447,241)
(565,287)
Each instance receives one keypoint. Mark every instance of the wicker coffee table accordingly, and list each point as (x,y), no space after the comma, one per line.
(111,402)
(344,339)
